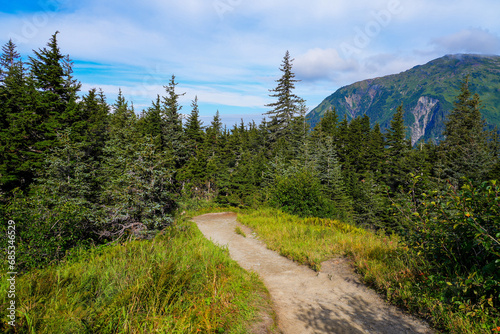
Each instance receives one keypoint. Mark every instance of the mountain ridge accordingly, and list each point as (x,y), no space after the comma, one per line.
(426,91)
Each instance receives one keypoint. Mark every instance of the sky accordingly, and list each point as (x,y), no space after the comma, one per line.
(227,53)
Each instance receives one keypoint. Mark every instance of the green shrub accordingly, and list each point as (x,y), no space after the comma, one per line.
(46,227)
(300,192)
(458,231)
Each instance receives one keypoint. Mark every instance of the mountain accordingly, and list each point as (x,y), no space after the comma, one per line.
(427,93)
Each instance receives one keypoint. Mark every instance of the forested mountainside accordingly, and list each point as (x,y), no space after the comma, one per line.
(427,93)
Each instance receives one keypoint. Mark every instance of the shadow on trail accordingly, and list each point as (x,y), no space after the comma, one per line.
(355,318)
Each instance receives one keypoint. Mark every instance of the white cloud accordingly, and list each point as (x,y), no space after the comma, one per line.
(233,58)
(317,64)
(472,40)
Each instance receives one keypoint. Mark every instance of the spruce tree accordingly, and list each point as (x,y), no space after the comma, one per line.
(287,104)
(17,121)
(53,75)
(9,59)
(194,171)
(121,115)
(398,149)
(329,171)
(214,141)
(193,128)
(90,125)
(55,106)
(172,131)
(328,123)
(465,151)
(152,124)
(375,151)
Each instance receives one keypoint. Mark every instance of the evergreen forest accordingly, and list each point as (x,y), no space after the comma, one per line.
(79,172)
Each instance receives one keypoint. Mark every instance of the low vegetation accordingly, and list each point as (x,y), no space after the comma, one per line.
(385,262)
(177,283)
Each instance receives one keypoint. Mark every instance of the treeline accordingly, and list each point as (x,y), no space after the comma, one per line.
(79,171)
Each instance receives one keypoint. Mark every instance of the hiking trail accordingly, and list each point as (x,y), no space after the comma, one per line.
(330,301)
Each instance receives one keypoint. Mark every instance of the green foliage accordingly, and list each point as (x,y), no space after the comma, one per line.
(458,231)
(329,171)
(177,283)
(56,214)
(46,226)
(86,175)
(287,104)
(369,201)
(465,151)
(138,192)
(172,128)
(297,190)
(386,263)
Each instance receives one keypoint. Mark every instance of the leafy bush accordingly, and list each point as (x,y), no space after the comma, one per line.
(46,227)
(458,231)
(299,191)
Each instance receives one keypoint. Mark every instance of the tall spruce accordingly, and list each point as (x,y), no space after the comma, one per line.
(172,130)
(465,151)
(16,121)
(194,171)
(151,123)
(56,104)
(398,149)
(194,127)
(287,104)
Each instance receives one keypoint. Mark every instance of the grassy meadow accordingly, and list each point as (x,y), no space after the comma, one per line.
(177,283)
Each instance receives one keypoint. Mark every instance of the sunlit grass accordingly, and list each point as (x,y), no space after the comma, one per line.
(383,261)
(177,283)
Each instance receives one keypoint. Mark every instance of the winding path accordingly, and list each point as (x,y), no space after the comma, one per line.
(331,301)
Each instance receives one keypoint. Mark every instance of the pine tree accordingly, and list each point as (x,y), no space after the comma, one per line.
(398,149)
(397,144)
(214,141)
(353,149)
(465,151)
(194,171)
(329,172)
(137,179)
(193,128)
(16,121)
(90,125)
(122,115)
(10,59)
(55,107)
(375,151)
(328,124)
(287,104)
(52,72)
(173,132)
(151,123)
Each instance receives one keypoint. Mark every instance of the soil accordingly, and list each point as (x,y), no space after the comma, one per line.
(330,301)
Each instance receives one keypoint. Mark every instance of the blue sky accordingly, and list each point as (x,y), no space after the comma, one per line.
(228,52)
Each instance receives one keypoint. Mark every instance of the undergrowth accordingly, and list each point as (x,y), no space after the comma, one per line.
(383,261)
(177,283)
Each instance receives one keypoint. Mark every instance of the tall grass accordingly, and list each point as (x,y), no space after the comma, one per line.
(177,283)
(384,262)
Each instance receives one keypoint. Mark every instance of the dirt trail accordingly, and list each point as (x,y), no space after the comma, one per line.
(331,301)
